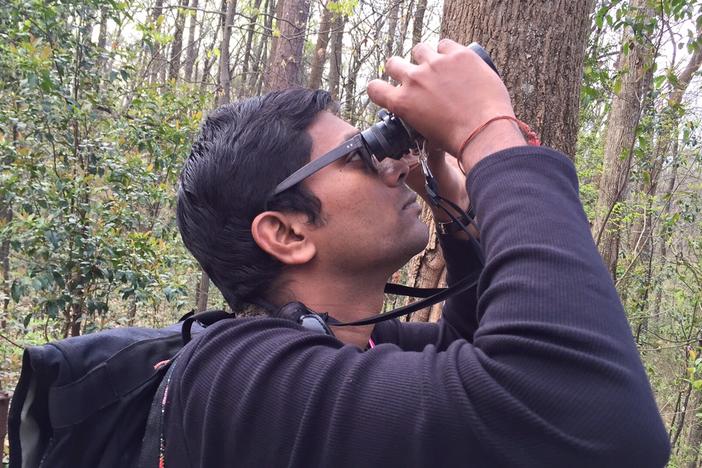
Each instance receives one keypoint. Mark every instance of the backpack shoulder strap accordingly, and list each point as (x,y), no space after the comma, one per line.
(152,445)
(206,318)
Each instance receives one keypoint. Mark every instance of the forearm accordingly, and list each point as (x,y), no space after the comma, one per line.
(552,329)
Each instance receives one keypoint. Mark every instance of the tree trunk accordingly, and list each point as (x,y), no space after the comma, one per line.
(426,269)
(406,14)
(694,440)
(156,53)
(225,80)
(337,38)
(278,17)
(355,64)
(418,24)
(210,61)
(285,64)
(641,242)
(204,292)
(538,48)
(244,89)
(635,66)
(392,27)
(5,219)
(320,51)
(102,42)
(4,406)
(256,78)
(665,235)
(193,43)
(177,44)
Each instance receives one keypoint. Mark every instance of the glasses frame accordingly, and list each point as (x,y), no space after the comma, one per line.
(351,145)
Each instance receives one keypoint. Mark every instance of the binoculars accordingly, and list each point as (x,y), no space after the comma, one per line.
(391,137)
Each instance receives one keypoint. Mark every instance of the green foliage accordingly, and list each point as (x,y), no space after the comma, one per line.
(90,157)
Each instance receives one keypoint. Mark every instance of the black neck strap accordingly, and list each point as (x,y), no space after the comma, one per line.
(432,296)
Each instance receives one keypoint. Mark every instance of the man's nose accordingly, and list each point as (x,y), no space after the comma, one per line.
(394,171)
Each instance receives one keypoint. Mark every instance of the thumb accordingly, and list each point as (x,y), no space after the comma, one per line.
(383,94)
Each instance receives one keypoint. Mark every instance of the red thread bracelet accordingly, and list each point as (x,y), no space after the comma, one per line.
(531,136)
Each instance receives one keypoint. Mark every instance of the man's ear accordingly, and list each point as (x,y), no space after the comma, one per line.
(283,236)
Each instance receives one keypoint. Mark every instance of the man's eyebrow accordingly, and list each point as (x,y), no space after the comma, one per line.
(351,134)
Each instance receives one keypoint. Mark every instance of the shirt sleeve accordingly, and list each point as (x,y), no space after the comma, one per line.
(552,377)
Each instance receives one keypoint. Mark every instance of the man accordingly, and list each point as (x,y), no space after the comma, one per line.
(535,367)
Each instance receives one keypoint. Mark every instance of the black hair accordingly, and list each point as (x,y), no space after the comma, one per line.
(243,151)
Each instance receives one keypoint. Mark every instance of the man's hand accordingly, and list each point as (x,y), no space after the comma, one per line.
(446,96)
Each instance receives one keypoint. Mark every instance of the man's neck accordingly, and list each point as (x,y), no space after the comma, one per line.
(344,297)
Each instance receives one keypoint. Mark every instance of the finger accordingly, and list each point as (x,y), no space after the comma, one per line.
(422,52)
(447,46)
(398,68)
(383,94)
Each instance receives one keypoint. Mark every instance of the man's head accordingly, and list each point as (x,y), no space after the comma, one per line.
(342,217)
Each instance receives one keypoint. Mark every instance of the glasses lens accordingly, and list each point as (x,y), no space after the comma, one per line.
(369,159)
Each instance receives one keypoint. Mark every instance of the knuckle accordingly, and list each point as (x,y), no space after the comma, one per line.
(417,48)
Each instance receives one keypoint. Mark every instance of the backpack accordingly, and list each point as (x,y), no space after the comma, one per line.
(84,401)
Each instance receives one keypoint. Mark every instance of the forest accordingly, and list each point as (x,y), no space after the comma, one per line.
(100,102)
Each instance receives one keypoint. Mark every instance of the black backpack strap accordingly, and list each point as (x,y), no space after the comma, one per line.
(206,318)
(152,445)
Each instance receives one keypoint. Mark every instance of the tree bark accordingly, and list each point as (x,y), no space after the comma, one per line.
(694,440)
(225,80)
(204,292)
(285,65)
(426,269)
(635,67)
(279,6)
(665,235)
(418,24)
(5,218)
(243,89)
(156,53)
(355,64)
(319,57)
(392,27)
(4,407)
(210,61)
(102,42)
(256,78)
(406,14)
(337,38)
(538,48)
(193,43)
(177,44)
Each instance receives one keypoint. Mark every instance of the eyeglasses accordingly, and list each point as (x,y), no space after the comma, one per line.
(355,144)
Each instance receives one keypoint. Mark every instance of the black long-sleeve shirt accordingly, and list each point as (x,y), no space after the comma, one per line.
(535,368)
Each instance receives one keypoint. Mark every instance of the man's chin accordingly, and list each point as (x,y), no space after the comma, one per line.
(419,239)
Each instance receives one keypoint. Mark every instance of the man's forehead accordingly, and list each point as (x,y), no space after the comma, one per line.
(329,131)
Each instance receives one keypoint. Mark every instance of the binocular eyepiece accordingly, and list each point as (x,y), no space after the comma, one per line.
(391,137)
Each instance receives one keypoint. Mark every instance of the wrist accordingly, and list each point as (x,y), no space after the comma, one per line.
(497,136)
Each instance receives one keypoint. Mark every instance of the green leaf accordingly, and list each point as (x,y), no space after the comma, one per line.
(16,291)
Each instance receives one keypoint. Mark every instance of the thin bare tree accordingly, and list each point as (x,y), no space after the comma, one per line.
(635,75)
(285,63)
